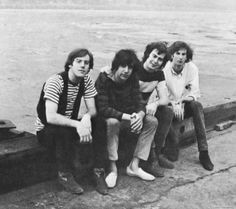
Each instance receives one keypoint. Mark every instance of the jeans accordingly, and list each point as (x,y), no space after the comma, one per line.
(165,130)
(63,143)
(195,109)
(144,142)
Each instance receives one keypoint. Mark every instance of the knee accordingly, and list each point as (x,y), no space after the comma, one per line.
(112,122)
(196,105)
(166,111)
(59,130)
(151,121)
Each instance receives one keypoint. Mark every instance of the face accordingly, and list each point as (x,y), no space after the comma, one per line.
(80,66)
(122,74)
(154,61)
(179,57)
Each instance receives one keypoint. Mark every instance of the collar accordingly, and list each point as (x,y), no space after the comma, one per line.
(176,74)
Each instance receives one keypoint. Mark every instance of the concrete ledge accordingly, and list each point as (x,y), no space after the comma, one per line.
(24,162)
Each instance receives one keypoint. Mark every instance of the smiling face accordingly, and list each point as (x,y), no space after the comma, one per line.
(154,61)
(79,67)
(122,74)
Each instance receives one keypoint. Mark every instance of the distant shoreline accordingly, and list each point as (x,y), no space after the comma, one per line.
(148,5)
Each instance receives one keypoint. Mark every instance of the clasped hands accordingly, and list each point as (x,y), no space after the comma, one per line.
(178,109)
(136,123)
(84,129)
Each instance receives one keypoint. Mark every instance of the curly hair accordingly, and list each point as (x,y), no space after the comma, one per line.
(161,46)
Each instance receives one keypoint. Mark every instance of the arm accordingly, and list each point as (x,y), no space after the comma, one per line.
(192,91)
(102,100)
(137,118)
(91,112)
(57,119)
(162,99)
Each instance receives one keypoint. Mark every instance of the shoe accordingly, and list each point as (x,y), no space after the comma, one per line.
(68,182)
(164,162)
(155,169)
(140,173)
(111,179)
(205,160)
(172,154)
(99,177)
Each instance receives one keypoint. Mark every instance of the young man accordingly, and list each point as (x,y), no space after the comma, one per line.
(152,82)
(119,103)
(57,124)
(182,81)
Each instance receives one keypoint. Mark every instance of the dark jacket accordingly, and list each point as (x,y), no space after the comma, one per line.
(41,109)
(114,99)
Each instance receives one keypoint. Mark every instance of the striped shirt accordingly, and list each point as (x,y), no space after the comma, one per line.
(54,87)
(149,82)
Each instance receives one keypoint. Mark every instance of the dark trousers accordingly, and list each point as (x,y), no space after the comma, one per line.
(64,144)
(194,109)
(165,130)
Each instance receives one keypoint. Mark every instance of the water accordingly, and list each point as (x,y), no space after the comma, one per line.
(35,43)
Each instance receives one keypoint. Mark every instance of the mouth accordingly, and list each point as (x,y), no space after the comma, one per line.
(81,71)
(154,65)
(180,61)
(125,76)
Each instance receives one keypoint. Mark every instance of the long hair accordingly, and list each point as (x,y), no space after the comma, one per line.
(81,52)
(125,57)
(160,46)
(176,46)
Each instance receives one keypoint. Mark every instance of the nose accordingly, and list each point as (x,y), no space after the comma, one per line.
(155,59)
(126,69)
(82,64)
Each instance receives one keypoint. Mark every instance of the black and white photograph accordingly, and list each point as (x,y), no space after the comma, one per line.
(108,104)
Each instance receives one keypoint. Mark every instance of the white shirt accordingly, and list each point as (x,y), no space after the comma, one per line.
(184,84)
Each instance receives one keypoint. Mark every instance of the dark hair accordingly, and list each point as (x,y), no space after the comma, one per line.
(125,57)
(78,53)
(176,46)
(161,46)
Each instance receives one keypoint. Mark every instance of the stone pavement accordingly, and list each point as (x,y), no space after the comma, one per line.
(188,186)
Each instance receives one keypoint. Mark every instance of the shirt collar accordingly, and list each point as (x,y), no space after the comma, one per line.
(176,74)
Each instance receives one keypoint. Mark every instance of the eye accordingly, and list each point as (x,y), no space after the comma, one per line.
(78,60)
(86,62)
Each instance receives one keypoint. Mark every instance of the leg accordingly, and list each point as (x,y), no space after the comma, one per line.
(171,149)
(113,130)
(165,117)
(100,154)
(195,109)
(142,149)
(64,139)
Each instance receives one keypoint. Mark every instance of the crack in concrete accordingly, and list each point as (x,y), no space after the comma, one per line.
(164,194)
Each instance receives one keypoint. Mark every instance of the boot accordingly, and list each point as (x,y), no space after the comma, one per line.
(205,160)
(164,162)
(99,177)
(153,166)
(172,154)
(67,180)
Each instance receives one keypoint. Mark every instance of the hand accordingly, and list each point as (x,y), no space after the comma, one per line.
(178,109)
(136,123)
(86,121)
(84,133)
(151,108)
